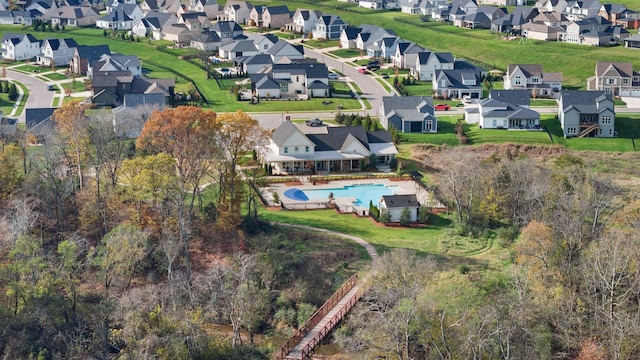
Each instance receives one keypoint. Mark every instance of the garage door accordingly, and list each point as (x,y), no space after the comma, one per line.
(416,126)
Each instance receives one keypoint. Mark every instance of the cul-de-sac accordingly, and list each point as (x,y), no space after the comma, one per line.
(293,180)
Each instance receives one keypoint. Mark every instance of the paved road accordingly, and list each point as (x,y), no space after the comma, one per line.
(39,96)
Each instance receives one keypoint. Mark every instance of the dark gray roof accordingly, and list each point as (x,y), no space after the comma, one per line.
(55,43)
(277,10)
(226,26)
(206,36)
(317,84)
(133,100)
(401,201)
(92,52)
(515,97)
(118,14)
(279,45)
(260,59)
(335,137)
(583,101)
(312,70)
(264,81)
(283,132)
(456,78)
(351,32)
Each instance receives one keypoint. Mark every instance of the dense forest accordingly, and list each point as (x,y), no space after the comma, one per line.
(154,248)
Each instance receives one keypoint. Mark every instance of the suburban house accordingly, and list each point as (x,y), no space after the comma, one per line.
(551,5)
(227,30)
(552,19)
(168,6)
(206,41)
(348,37)
(408,114)
(194,21)
(209,7)
(303,20)
(113,4)
(18,17)
(504,109)
(151,24)
(292,80)
(394,205)
(371,36)
(111,88)
(511,23)
(539,31)
(41,7)
(178,33)
(237,11)
(57,52)
(72,16)
(20,46)
(276,17)
(581,9)
(238,49)
(253,64)
(594,31)
(336,149)
(283,49)
(587,114)
(428,62)
(406,54)
(122,17)
(614,12)
(329,27)
(456,84)
(422,7)
(384,48)
(85,55)
(39,123)
(632,41)
(116,62)
(378,4)
(531,77)
(615,78)
(262,42)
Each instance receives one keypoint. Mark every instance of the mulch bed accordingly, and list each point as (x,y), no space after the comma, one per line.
(293,183)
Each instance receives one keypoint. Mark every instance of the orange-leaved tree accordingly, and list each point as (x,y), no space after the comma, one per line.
(73,127)
(186,133)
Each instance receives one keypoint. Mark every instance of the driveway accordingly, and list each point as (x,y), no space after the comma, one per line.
(39,95)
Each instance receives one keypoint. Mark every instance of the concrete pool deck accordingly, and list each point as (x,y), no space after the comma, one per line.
(345,204)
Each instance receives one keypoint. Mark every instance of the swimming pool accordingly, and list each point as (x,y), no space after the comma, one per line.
(362,193)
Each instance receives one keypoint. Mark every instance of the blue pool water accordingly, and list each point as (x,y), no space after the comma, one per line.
(362,193)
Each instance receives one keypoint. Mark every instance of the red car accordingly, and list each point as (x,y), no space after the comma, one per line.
(441,107)
(363,71)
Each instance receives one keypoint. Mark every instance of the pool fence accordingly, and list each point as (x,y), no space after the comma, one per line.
(309,205)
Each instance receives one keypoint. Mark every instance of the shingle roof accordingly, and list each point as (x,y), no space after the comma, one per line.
(515,97)
(400,201)
(583,101)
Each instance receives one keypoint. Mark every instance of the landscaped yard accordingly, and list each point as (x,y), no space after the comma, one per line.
(321,44)
(346,53)
(5,105)
(55,76)
(76,86)
(31,69)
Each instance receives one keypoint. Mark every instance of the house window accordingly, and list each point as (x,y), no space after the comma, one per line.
(535,80)
(284,87)
(295,149)
(286,150)
(610,131)
(606,119)
(611,81)
(306,149)
(517,80)
(571,131)
(266,46)
(625,81)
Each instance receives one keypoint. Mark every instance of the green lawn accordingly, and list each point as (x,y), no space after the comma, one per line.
(419,88)
(346,53)
(29,69)
(426,240)
(543,102)
(55,76)
(25,96)
(340,87)
(56,102)
(321,44)
(385,85)
(76,85)
(5,104)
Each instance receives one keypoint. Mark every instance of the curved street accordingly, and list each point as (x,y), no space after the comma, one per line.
(39,95)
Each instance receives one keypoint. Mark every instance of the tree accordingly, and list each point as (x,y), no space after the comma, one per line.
(13,92)
(9,174)
(3,71)
(119,254)
(73,127)
(187,134)
(238,135)
(405,217)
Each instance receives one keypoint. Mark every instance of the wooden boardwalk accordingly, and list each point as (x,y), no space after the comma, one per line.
(301,345)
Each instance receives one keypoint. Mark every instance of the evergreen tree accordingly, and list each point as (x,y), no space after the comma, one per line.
(13,92)
(405,217)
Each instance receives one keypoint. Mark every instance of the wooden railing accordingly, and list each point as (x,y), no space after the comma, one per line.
(317,316)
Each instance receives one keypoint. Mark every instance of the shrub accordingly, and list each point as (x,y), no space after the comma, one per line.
(385,216)
(405,217)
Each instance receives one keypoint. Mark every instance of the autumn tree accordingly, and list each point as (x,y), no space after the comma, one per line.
(73,127)
(186,133)
(238,135)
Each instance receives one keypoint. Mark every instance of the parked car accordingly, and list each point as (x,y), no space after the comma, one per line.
(314,122)
(363,71)
(441,107)
(51,87)
(373,65)
(333,76)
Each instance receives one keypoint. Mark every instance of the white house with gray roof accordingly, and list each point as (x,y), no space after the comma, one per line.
(303,20)
(428,62)
(332,149)
(329,27)
(237,49)
(587,114)
(307,80)
(533,78)
(408,114)
(456,84)
(504,109)
(20,46)
(394,205)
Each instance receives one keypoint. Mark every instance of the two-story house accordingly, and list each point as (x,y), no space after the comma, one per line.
(329,27)
(210,7)
(306,80)
(531,77)
(428,62)
(72,16)
(406,54)
(276,17)
(121,17)
(237,11)
(115,63)
(581,9)
(57,52)
(422,7)
(593,31)
(113,88)
(511,23)
(194,21)
(504,109)
(113,4)
(587,114)
(371,35)
(85,55)
(237,49)
(151,24)
(284,50)
(615,78)
(20,46)
(408,114)
(456,84)
(303,20)
(340,149)
(227,30)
